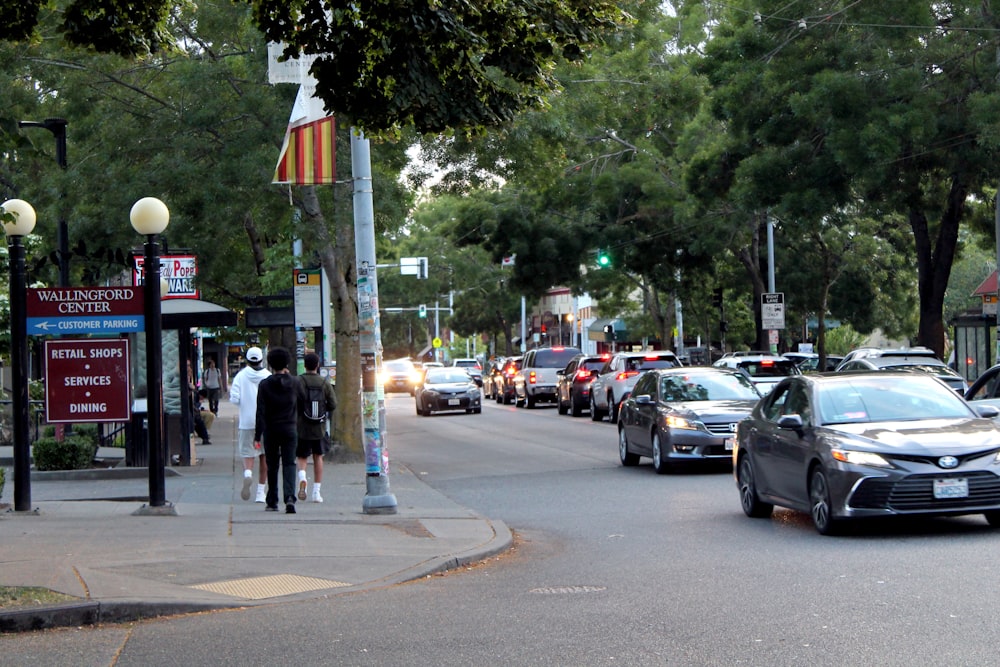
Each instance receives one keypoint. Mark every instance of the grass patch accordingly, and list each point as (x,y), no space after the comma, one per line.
(12,597)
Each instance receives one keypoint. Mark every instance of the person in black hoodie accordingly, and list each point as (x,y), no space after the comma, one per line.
(277,414)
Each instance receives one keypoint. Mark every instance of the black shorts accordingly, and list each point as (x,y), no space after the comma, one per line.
(309,447)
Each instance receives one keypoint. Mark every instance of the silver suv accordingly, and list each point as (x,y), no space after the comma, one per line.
(536,381)
(614,382)
(764,369)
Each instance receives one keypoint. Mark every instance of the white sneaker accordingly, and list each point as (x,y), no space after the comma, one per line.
(316,498)
(302,489)
(245,493)
(261,494)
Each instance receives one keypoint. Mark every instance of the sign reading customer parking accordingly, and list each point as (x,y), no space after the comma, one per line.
(86,380)
(179,271)
(63,311)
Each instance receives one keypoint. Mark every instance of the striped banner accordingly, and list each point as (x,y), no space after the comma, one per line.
(308,156)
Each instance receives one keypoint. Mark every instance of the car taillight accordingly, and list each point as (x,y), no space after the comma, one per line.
(625,374)
(583,375)
(767,362)
(531,378)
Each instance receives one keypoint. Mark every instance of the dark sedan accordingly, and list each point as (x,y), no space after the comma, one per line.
(683,415)
(573,383)
(845,446)
(447,389)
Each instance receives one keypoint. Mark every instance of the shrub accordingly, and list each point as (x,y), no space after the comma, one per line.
(73,453)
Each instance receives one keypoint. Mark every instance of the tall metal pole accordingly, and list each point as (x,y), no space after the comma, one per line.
(57,126)
(23,223)
(19,358)
(378,497)
(154,372)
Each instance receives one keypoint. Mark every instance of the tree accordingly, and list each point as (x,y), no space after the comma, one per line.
(852,106)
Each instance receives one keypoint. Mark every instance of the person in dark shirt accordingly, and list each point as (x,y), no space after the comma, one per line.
(276,428)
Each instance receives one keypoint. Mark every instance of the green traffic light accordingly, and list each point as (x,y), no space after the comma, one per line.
(603,259)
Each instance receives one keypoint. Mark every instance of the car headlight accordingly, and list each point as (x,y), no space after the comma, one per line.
(860,458)
(674,421)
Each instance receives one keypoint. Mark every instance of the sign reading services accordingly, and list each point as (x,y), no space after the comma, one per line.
(86,380)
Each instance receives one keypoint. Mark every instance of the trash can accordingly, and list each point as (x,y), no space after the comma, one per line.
(137,442)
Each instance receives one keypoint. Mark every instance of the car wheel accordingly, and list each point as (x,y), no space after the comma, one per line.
(477,411)
(628,459)
(820,505)
(595,414)
(575,408)
(660,463)
(562,407)
(529,401)
(612,410)
(752,505)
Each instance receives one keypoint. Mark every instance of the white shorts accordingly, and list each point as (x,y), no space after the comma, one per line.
(245,444)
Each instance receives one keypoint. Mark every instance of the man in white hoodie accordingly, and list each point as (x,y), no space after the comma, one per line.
(243,392)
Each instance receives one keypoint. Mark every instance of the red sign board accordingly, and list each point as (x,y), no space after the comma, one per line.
(84,301)
(86,380)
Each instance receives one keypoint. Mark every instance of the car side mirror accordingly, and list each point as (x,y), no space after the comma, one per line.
(988,411)
(790,422)
(643,399)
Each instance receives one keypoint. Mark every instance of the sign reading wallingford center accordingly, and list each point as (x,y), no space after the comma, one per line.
(61,311)
(86,380)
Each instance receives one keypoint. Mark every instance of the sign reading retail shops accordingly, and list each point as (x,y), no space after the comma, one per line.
(62,311)
(86,380)
(178,270)
(772,310)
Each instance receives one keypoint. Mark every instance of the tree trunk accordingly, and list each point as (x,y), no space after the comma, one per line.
(749,257)
(338,260)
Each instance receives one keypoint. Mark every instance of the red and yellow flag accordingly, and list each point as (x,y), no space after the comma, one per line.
(309,153)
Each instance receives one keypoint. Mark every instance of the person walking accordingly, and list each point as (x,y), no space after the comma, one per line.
(317,402)
(277,409)
(243,392)
(214,381)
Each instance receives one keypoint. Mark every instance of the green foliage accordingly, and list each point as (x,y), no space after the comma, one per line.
(843,339)
(75,452)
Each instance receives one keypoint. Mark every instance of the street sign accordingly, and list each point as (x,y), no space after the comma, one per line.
(58,311)
(86,380)
(772,310)
(436,342)
(308,298)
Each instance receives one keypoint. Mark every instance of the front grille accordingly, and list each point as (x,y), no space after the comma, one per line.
(916,493)
(721,429)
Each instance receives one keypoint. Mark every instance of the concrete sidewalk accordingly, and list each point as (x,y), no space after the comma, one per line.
(220,551)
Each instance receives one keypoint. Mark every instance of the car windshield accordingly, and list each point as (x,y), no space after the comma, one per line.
(769,368)
(878,399)
(399,366)
(651,362)
(446,375)
(706,387)
(554,357)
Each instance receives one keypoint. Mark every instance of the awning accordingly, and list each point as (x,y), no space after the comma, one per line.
(189,313)
(596,330)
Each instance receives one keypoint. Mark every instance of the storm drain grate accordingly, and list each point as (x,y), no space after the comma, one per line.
(272,586)
(563,590)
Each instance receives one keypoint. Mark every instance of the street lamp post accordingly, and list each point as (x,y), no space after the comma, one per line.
(150,217)
(57,126)
(24,222)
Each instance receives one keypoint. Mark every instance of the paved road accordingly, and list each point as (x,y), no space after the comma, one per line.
(613,566)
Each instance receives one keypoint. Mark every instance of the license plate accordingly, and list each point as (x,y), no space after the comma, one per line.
(454,401)
(728,443)
(951,488)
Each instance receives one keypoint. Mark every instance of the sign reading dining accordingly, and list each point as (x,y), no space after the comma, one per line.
(86,380)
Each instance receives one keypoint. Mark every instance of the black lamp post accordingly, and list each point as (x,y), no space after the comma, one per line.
(23,223)
(57,126)
(150,217)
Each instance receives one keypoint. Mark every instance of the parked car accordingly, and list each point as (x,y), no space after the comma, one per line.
(573,383)
(853,445)
(492,377)
(684,415)
(447,389)
(536,381)
(400,375)
(613,384)
(929,365)
(903,352)
(472,366)
(505,390)
(763,368)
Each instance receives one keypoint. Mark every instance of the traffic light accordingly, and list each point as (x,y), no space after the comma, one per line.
(603,258)
(717,297)
(421,268)
(422,310)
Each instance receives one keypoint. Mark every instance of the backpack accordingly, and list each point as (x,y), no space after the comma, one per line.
(315,408)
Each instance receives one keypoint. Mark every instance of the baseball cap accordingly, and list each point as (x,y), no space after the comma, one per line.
(254,354)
